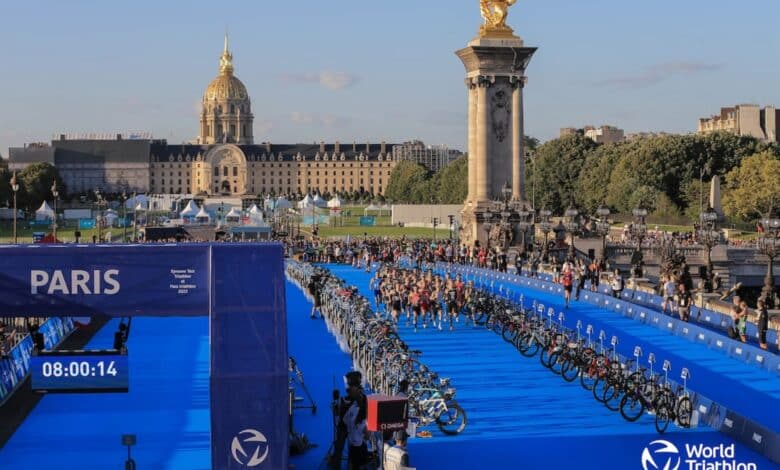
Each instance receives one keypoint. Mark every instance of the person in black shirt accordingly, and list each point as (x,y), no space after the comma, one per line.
(763,323)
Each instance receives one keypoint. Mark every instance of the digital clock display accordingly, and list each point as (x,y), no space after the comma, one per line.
(79,371)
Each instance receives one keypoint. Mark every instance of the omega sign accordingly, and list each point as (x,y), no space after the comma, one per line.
(74,282)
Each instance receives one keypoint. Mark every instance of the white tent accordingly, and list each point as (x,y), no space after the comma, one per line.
(255,215)
(110,216)
(140,207)
(202,216)
(133,202)
(190,211)
(233,216)
(268,203)
(45,212)
(282,204)
(305,202)
(319,202)
(372,208)
(335,202)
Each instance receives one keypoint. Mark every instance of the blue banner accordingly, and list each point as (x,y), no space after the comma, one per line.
(368,220)
(120,280)
(86,223)
(249,401)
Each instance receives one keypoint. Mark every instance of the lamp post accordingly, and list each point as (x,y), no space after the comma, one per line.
(523,225)
(99,203)
(15,189)
(769,244)
(435,222)
(124,217)
(638,232)
(572,226)
(709,236)
(545,226)
(602,229)
(488,226)
(452,220)
(55,194)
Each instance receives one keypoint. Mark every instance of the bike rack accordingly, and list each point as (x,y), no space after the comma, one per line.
(637,355)
(651,361)
(666,367)
(685,375)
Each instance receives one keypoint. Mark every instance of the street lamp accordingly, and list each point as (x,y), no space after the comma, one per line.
(769,244)
(602,229)
(545,226)
(55,194)
(709,236)
(572,226)
(526,221)
(14,188)
(452,220)
(124,217)
(488,226)
(638,231)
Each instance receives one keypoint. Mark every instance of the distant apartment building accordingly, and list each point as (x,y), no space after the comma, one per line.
(601,135)
(432,157)
(744,119)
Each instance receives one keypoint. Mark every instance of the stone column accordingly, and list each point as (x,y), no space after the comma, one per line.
(483,141)
(518,140)
(472,139)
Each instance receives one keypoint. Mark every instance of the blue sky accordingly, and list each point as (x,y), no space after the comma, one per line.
(369,70)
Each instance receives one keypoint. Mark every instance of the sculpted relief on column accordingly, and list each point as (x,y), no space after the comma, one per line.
(500,112)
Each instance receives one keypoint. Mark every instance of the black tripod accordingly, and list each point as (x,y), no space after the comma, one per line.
(296,376)
(334,457)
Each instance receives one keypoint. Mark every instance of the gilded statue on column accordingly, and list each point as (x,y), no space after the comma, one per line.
(494,12)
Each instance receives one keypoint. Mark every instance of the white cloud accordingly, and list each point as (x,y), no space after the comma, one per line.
(332,80)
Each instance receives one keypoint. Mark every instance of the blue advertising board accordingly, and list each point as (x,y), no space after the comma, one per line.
(86,223)
(68,280)
(368,220)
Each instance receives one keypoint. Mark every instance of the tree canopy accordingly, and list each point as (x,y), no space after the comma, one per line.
(752,187)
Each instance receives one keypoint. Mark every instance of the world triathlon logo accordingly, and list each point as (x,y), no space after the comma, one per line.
(249,442)
(661,455)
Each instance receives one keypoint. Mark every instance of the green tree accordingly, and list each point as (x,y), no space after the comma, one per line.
(752,187)
(451,183)
(37,180)
(596,173)
(556,168)
(407,183)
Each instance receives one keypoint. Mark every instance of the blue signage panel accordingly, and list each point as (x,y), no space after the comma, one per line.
(368,220)
(249,395)
(119,280)
(79,373)
(86,223)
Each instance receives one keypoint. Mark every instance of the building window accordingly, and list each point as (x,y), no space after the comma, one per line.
(235,171)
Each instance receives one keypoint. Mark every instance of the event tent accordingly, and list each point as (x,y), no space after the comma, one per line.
(255,215)
(282,204)
(45,212)
(305,202)
(202,216)
(319,202)
(110,215)
(233,216)
(335,202)
(190,211)
(133,202)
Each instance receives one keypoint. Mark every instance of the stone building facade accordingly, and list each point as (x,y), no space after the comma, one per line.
(224,161)
(744,119)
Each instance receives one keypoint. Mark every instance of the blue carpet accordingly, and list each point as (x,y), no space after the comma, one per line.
(520,415)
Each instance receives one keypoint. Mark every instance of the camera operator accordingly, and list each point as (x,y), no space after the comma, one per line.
(351,425)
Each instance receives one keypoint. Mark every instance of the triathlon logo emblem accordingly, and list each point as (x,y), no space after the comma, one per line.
(252,441)
(661,455)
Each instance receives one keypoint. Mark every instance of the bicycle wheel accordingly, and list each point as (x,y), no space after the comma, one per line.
(545,357)
(684,411)
(527,346)
(509,332)
(631,407)
(452,421)
(662,417)
(556,362)
(569,370)
(612,396)
(588,377)
(599,389)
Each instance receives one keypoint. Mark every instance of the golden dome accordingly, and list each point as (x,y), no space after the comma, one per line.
(226,86)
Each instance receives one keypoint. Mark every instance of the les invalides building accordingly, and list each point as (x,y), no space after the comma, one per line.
(225,161)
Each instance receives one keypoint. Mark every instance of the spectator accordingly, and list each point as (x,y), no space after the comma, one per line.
(617,284)
(763,323)
(684,301)
(669,290)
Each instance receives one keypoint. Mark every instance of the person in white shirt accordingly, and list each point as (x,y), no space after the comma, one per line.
(670,290)
(355,421)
